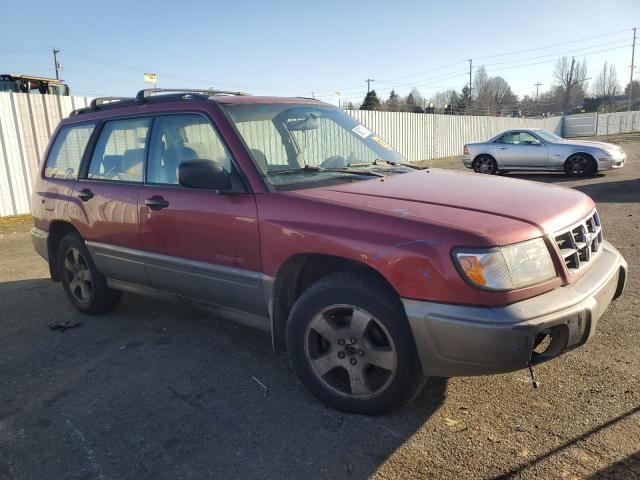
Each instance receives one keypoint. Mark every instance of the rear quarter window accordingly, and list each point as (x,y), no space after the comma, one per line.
(66,152)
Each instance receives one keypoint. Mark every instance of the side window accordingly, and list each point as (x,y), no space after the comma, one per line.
(177,138)
(67,150)
(120,150)
(510,138)
(528,139)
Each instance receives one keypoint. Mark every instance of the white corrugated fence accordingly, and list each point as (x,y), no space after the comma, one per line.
(28,120)
(26,123)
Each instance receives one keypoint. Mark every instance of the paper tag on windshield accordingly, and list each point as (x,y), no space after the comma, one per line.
(362,131)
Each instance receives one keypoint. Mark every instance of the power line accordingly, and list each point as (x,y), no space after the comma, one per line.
(617,42)
(554,44)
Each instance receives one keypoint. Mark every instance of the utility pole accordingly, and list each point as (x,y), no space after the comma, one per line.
(567,100)
(537,86)
(470,69)
(633,52)
(55,62)
(338,95)
(369,80)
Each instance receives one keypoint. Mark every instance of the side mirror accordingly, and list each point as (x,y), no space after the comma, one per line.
(203,174)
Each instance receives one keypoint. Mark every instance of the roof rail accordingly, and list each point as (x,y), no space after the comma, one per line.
(145,96)
(97,102)
(147,92)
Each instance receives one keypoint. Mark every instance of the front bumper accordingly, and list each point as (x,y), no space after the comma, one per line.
(611,163)
(460,340)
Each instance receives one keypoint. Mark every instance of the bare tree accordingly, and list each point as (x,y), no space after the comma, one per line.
(417,97)
(441,99)
(481,95)
(570,76)
(606,83)
(501,93)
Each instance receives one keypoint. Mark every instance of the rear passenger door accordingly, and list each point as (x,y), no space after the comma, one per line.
(202,244)
(105,206)
(51,196)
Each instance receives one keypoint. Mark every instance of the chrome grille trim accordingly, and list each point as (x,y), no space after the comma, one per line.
(580,243)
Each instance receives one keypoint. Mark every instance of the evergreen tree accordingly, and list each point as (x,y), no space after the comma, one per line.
(464,100)
(371,101)
(393,103)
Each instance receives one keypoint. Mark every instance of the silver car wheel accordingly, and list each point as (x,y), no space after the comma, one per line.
(78,275)
(578,165)
(485,165)
(350,352)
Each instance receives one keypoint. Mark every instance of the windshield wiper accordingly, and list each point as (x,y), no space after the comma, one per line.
(314,168)
(388,162)
(285,171)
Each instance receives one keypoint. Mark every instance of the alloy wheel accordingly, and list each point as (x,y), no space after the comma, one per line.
(578,165)
(78,275)
(350,351)
(485,165)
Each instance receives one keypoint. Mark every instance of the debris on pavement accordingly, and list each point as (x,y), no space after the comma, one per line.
(62,326)
(266,389)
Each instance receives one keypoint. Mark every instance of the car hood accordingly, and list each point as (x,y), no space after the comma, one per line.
(465,200)
(588,143)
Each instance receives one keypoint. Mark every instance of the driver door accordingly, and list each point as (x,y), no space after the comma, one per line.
(521,150)
(201,244)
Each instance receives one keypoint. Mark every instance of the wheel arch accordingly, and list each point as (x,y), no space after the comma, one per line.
(299,272)
(484,155)
(57,231)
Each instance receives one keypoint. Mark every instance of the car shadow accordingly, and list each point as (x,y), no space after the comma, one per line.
(160,389)
(550,177)
(600,188)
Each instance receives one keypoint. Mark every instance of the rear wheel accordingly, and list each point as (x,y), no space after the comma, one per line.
(350,343)
(580,165)
(85,286)
(485,164)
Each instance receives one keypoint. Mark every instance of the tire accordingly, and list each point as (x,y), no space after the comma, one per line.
(85,286)
(365,349)
(580,165)
(485,164)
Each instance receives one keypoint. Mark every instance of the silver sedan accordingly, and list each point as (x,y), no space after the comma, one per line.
(535,149)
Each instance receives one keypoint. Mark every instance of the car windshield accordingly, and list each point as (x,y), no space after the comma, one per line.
(549,137)
(301,146)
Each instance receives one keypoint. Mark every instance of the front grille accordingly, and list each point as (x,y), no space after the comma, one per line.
(580,243)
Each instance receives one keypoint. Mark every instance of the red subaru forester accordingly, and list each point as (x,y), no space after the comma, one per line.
(295,218)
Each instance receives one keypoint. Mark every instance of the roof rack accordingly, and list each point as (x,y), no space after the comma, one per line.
(147,92)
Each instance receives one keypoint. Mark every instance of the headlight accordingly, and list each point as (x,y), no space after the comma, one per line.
(507,268)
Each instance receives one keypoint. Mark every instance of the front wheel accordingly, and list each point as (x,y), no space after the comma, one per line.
(350,343)
(580,165)
(485,164)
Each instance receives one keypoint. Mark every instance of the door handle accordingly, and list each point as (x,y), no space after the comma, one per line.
(85,194)
(503,148)
(156,203)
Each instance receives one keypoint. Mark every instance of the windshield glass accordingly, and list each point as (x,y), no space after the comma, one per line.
(549,137)
(297,146)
